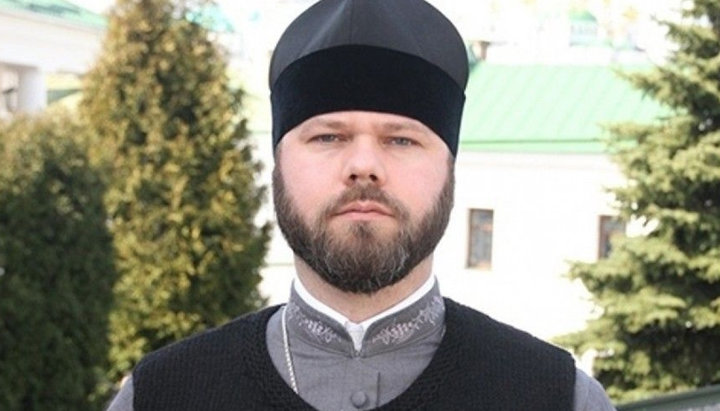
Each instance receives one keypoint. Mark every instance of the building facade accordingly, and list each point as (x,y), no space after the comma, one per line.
(532,175)
(38,38)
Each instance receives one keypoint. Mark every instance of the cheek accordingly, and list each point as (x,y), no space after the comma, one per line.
(420,188)
(308,189)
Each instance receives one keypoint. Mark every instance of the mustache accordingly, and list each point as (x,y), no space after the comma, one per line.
(365,193)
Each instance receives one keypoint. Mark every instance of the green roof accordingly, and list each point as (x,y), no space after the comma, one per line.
(549,108)
(58,9)
(581,15)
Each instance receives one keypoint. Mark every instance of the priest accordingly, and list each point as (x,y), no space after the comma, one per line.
(367,98)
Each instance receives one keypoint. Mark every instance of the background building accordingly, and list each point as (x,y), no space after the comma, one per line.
(531,173)
(52,41)
(531,196)
(532,170)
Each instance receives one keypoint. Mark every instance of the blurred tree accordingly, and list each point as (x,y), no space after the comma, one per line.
(56,268)
(659,294)
(182,196)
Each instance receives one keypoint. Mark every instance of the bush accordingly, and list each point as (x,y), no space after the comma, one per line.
(182,196)
(56,269)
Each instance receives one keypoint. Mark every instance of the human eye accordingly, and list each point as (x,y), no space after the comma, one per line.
(401,141)
(325,138)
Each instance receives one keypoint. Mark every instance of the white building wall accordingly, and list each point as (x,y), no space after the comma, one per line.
(32,45)
(279,270)
(51,44)
(546,210)
(32,93)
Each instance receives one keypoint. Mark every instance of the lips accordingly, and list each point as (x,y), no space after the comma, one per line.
(364,207)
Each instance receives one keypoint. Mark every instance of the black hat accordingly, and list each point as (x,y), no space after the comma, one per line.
(397,56)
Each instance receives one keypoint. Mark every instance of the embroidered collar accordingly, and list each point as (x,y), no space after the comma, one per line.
(386,334)
(318,305)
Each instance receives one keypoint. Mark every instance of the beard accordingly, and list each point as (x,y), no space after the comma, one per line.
(362,260)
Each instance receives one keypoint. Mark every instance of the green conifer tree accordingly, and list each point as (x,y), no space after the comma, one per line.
(658,328)
(182,193)
(56,268)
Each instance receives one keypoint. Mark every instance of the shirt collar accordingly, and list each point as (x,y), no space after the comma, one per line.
(423,309)
(325,309)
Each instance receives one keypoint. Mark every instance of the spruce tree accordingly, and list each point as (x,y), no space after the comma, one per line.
(182,193)
(658,328)
(56,268)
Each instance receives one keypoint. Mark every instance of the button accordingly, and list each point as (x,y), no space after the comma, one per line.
(359,399)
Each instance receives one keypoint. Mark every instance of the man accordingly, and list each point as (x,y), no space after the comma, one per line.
(367,97)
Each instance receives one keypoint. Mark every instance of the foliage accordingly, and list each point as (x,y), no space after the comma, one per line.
(659,294)
(182,196)
(56,270)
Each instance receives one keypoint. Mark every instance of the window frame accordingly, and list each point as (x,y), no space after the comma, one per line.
(482,263)
(607,229)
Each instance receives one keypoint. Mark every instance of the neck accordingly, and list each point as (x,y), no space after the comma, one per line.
(360,307)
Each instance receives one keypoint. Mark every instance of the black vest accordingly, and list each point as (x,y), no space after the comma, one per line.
(481,364)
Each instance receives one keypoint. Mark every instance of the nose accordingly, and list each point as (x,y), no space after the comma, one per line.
(364,163)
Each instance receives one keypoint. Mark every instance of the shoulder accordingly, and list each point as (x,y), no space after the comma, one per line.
(590,395)
(507,364)
(500,338)
(205,371)
(214,345)
(123,400)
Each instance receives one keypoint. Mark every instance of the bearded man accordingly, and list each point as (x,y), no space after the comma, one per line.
(367,98)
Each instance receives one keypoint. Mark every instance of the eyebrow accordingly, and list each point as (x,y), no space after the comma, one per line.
(389,126)
(333,124)
(402,125)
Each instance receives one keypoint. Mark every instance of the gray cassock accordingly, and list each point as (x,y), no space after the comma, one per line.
(332,374)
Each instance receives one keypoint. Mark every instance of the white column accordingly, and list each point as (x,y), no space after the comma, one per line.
(32,94)
(3,105)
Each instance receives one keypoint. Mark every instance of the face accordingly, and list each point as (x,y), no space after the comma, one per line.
(362,197)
